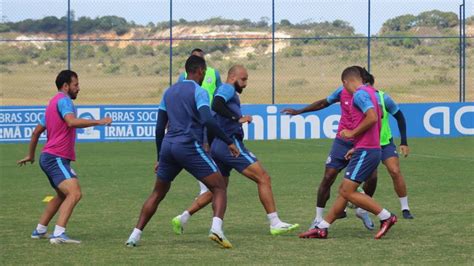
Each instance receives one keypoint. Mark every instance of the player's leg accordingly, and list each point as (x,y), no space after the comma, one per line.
(203,199)
(217,185)
(203,168)
(148,210)
(259,175)
(334,164)
(324,193)
(64,180)
(72,190)
(361,166)
(368,188)
(168,169)
(51,209)
(393,167)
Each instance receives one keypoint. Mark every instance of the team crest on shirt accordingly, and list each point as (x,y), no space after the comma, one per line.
(328,160)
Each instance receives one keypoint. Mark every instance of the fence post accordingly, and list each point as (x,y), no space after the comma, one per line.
(69,34)
(460,53)
(171,42)
(464,50)
(273,51)
(368,37)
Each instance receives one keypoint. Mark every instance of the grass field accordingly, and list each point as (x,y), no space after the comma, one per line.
(117,177)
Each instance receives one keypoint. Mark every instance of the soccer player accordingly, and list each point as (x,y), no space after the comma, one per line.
(336,160)
(61,122)
(389,150)
(184,109)
(211,82)
(229,116)
(365,115)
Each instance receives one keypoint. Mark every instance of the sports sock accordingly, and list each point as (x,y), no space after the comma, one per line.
(217,224)
(323,224)
(136,234)
(58,230)
(184,217)
(404,203)
(319,214)
(384,215)
(273,218)
(41,229)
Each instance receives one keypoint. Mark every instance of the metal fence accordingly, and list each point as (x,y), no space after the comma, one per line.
(294,50)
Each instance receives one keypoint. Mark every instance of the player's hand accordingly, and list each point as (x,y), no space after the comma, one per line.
(25,160)
(233,149)
(349,153)
(156,167)
(245,119)
(404,150)
(106,121)
(205,146)
(290,111)
(347,134)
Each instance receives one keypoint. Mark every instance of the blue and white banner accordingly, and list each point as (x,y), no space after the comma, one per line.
(137,122)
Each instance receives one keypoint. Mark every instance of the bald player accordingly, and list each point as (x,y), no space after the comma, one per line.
(229,117)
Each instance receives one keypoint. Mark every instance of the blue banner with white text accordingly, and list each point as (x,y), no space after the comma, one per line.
(137,122)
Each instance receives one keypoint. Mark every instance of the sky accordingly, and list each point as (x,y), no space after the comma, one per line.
(144,11)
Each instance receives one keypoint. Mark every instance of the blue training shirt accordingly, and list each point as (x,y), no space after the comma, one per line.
(181,103)
(335,96)
(362,101)
(232,100)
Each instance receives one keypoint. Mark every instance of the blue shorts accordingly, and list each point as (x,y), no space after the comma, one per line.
(389,150)
(175,157)
(56,168)
(362,164)
(226,161)
(336,158)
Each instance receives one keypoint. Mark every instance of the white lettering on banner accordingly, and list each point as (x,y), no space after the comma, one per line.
(330,125)
(145,131)
(10,133)
(457,120)
(147,116)
(119,131)
(9,118)
(300,126)
(272,122)
(426,120)
(33,117)
(257,124)
(118,116)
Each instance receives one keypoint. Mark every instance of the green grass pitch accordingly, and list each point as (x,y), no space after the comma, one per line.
(116,178)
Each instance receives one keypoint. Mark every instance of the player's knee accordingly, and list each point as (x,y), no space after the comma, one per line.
(344,192)
(75,195)
(264,179)
(395,172)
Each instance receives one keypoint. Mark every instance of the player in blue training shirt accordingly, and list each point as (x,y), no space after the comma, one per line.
(229,117)
(185,110)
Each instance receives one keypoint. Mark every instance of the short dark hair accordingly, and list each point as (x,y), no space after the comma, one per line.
(352,71)
(197,50)
(193,63)
(366,76)
(65,76)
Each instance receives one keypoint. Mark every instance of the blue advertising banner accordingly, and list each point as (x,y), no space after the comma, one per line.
(137,122)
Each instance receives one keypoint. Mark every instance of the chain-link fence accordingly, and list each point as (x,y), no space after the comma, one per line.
(129,51)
